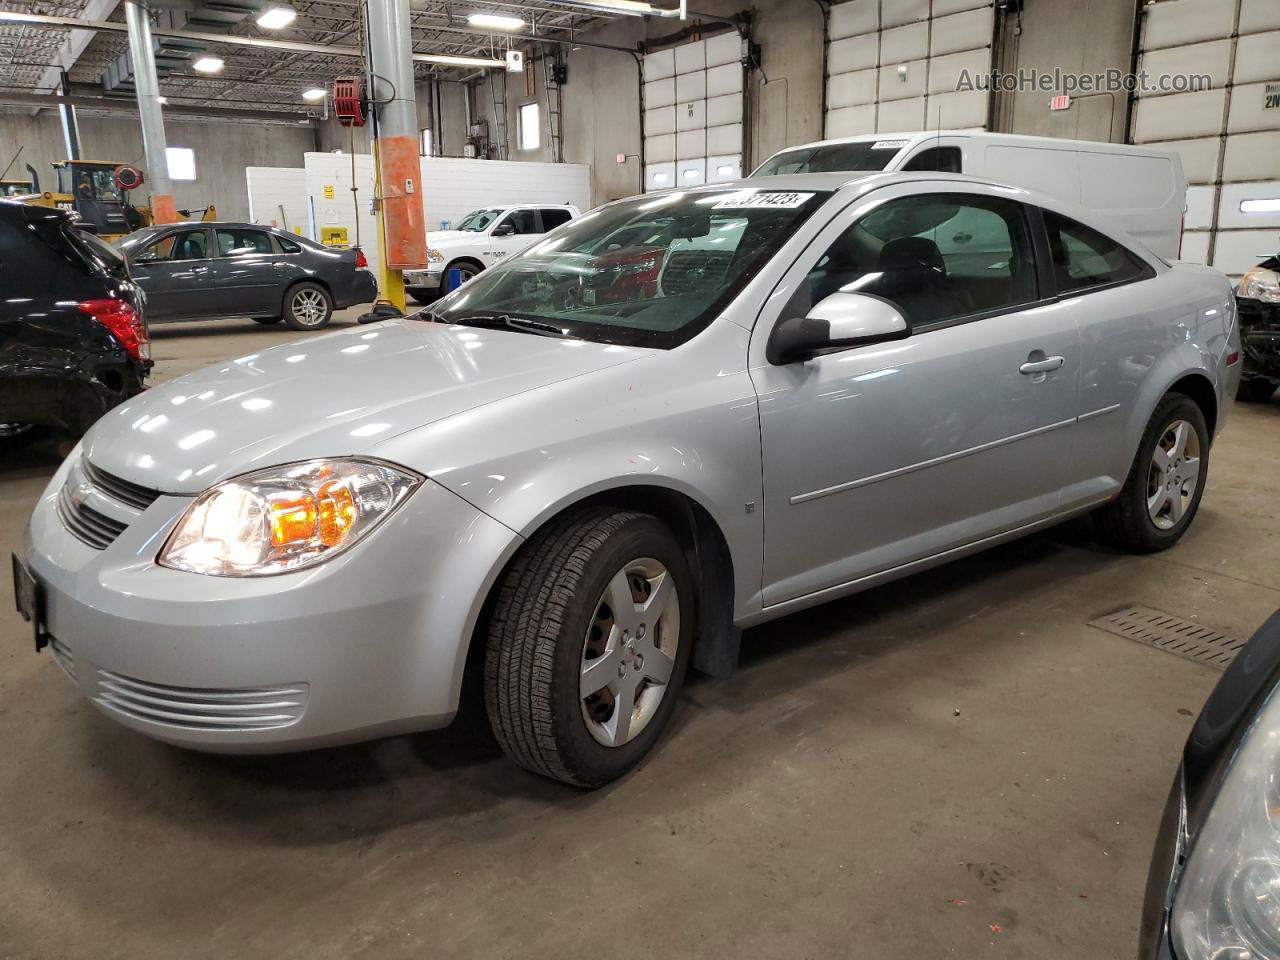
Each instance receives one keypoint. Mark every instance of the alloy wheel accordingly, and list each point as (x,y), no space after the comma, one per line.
(309,307)
(1174,474)
(629,652)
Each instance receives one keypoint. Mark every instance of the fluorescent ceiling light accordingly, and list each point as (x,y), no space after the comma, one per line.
(315,93)
(276,18)
(452,61)
(208,64)
(495,21)
(633,8)
(1262,205)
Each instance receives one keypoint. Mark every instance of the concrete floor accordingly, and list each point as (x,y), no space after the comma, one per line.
(825,802)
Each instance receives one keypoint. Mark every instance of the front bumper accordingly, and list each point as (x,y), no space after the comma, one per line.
(1260,337)
(426,279)
(369,644)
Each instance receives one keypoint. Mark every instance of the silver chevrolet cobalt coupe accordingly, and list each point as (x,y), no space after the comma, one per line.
(591,466)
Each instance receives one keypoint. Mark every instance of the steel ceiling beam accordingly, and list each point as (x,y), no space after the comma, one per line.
(11,16)
(111,104)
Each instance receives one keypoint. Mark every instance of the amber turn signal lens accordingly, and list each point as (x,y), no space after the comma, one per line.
(292,521)
(337,512)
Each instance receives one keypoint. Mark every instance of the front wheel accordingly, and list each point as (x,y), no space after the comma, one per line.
(1162,492)
(307,306)
(588,645)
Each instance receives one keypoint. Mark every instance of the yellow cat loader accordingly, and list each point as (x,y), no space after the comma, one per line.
(92,189)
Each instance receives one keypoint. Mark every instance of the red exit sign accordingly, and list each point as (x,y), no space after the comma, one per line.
(1061,102)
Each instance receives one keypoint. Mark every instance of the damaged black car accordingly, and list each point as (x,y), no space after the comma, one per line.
(1258,302)
(73,338)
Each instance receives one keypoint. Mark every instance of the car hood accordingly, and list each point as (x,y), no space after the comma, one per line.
(332,395)
(435,237)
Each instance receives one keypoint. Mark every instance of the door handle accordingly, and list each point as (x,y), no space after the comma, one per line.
(1042,366)
(199,269)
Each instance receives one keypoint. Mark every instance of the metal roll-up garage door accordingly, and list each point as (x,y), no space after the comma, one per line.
(694,103)
(1228,135)
(894,64)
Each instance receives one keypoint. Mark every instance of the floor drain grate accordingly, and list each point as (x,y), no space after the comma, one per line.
(1171,634)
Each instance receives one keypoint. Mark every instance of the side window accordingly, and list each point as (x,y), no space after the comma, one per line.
(942,159)
(191,245)
(937,256)
(524,221)
(552,218)
(286,245)
(1083,257)
(237,243)
(162,249)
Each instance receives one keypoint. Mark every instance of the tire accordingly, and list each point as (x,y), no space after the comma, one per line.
(422,295)
(307,306)
(1133,522)
(266,320)
(1256,390)
(469,269)
(552,611)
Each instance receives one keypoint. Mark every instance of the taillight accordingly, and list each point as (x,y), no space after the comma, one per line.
(362,262)
(124,322)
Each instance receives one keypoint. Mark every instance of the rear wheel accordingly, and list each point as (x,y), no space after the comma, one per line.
(266,320)
(1256,389)
(307,306)
(1162,492)
(588,645)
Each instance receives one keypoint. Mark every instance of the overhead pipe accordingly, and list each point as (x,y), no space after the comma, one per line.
(70,123)
(147,83)
(118,105)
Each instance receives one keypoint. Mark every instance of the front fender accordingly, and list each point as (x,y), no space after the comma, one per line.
(677,420)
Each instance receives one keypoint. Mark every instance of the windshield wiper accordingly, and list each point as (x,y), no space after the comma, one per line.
(522,324)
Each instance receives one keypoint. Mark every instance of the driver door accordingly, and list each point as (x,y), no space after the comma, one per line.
(883,455)
(511,234)
(174,273)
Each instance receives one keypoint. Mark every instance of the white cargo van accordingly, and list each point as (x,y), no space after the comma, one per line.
(1140,190)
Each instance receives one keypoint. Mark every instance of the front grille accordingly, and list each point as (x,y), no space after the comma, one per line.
(196,708)
(96,529)
(64,657)
(126,491)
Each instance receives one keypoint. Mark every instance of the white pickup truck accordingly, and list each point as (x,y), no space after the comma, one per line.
(482,237)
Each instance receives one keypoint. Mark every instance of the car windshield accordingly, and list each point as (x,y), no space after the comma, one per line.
(863,155)
(478,220)
(651,271)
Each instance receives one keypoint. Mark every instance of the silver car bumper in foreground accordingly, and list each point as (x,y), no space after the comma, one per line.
(371,643)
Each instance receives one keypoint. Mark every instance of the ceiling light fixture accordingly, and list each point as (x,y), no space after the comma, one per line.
(452,61)
(631,8)
(493,21)
(276,18)
(208,64)
(314,94)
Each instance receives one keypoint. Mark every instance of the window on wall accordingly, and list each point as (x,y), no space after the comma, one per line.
(426,142)
(182,163)
(530,128)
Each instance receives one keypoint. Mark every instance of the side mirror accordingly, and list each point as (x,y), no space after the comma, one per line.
(841,321)
(143,259)
(504,230)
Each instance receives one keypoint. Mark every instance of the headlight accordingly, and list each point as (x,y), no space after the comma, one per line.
(285,518)
(1228,901)
(435,256)
(1260,284)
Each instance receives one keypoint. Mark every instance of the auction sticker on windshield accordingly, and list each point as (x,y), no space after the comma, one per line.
(777,200)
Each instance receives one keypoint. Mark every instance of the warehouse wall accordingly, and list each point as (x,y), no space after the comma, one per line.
(601,101)
(1085,36)
(222,151)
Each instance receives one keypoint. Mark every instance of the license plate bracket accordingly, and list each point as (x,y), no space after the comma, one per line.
(28,597)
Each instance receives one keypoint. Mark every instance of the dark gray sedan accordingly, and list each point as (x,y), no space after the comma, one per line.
(206,271)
